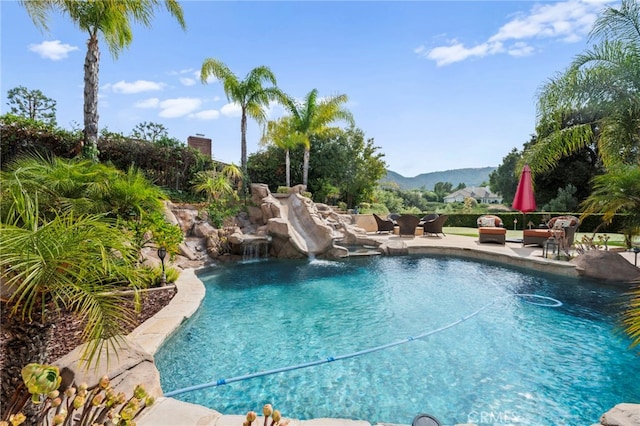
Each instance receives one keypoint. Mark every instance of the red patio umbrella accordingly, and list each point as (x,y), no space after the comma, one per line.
(524,199)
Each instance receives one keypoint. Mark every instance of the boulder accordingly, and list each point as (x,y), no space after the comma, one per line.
(255,215)
(126,364)
(203,229)
(259,191)
(606,266)
(297,189)
(167,209)
(624,414)
(186,219)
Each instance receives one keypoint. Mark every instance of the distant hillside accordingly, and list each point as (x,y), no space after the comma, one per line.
(470,177)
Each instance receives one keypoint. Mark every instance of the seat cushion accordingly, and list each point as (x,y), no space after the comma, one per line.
(538,233)
(492,230)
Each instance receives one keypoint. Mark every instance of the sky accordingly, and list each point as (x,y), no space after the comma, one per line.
(438,85)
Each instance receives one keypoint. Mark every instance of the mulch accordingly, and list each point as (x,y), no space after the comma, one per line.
(67,334)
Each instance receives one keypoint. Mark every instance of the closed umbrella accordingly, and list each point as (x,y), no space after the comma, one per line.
(524,199)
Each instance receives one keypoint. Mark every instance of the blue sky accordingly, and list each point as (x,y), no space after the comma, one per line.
(438,85)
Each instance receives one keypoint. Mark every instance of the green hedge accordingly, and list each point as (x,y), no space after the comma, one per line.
(588,224)
(21,136)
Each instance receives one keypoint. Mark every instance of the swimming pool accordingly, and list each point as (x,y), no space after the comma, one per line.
(512,363)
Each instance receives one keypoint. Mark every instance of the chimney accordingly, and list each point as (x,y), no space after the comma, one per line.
(200,143)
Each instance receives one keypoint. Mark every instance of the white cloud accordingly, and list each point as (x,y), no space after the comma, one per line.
(457,52)
(186,81)
(137,86)
(210,79)
(53,50)
(183,71)
(209,114)
(567,21)
(275,110)
(520,49)
(231,110)
(178,107)
(148,103)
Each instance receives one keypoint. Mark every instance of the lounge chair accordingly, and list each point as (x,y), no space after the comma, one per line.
(490,230)
(538,236)
(425,420)
(408,224)
(434,226)
(384,225)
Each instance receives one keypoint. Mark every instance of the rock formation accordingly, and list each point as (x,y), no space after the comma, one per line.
(291,225)
(606,266)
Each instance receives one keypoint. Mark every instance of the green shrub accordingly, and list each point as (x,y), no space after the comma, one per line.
(20,136)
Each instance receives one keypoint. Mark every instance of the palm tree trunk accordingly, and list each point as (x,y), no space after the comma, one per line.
(243,142)
(305,167)
(91,69)
(287,165)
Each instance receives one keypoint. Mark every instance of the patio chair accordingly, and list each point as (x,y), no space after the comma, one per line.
(425,420)
(429,217)
(384,225)
(490,230)
(569,224)
(408,224)
(393,216)
(538,236)
(434,226)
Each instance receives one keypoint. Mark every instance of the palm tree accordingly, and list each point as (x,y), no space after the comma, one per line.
(110,19)
(70,261)
(249,93)
(312,117)
(596,101)
(282,134)
(618,191)
(215,185)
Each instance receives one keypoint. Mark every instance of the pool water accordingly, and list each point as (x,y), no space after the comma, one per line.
(513,363)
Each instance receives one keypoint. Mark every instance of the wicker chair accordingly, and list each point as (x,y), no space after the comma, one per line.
(408,224)
(490,230)
(384,225)
(434,226)
(539,236)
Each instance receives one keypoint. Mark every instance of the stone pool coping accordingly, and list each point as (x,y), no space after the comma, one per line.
(191,291)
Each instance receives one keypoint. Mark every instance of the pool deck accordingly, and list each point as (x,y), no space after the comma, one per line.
(191,291)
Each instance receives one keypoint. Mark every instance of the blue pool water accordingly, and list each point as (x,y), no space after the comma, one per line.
(513,363)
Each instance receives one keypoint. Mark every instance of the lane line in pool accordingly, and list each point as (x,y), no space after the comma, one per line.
(549,302)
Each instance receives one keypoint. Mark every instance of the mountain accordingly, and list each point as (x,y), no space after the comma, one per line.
(470,177)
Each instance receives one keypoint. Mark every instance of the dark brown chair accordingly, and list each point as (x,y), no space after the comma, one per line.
(408,224)
(429,217)
(434,226)
(384,225)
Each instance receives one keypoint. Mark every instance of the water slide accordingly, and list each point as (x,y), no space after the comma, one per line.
(307,230)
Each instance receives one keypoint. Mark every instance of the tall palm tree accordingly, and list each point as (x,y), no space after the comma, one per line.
(111,20)
(249,93)
(313,116)
(596,101)
(284,136)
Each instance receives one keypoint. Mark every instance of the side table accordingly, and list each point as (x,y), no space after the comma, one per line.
(550,244)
